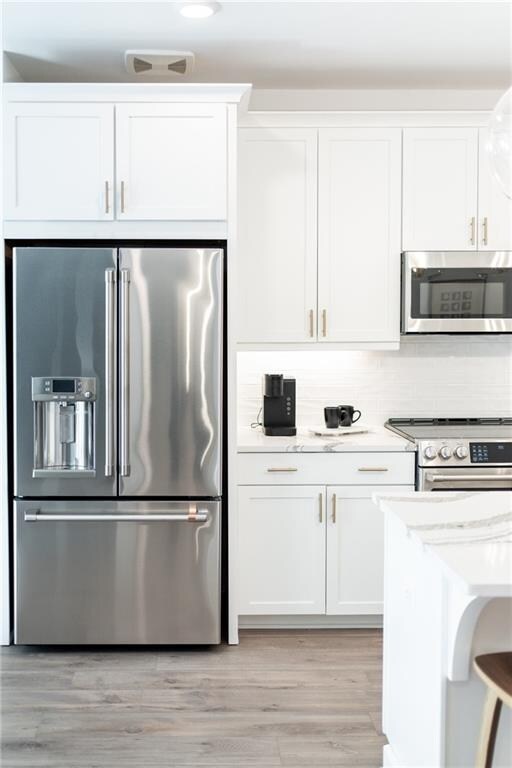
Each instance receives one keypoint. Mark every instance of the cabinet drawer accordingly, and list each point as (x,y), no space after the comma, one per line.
(363,468)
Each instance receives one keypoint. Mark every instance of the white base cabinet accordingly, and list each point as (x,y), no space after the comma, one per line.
(281,549)
(355,550)
(313,549)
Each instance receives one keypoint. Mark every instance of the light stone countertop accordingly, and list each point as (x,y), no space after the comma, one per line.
(377,439)
(470,535)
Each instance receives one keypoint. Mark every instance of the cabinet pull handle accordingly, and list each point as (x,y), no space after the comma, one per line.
(311,323)
(122,197)
(282,469)
(107,203)
(373,469)
(321,505)
(472,231)
(324,323)
(485,231)
(334,508)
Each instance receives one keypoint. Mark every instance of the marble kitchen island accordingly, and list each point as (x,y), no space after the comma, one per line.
(447,598)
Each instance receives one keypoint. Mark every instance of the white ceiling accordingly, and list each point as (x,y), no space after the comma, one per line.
(271,44)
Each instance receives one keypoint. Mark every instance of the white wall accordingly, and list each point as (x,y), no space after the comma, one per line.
(352,99)
(4,500)
(423,378)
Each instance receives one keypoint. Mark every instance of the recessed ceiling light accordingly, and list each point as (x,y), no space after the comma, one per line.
(196,9)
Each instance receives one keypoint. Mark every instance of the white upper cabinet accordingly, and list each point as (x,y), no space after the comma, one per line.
(59,161)
(359,235)
(281,550)
(171,161)
(277,235)
(494,207)
(440,189)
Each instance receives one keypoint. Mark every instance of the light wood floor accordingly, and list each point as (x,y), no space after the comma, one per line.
(278,699)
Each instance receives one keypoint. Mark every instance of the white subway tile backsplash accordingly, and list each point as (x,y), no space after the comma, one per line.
(428,378)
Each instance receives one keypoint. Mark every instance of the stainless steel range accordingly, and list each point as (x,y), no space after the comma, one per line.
(460,454)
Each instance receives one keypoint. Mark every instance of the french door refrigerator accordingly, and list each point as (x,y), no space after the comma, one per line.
(118,376)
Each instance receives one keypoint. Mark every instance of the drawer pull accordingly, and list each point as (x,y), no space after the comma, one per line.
(282,469)
(373,469)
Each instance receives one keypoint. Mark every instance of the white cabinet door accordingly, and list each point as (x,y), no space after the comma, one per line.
(59,162)
(355,549)
(359,234)
(440,189)
(494,207)
(276,257)
(171,161)
(281,550)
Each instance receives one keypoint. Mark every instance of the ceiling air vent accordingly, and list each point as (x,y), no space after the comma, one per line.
(159,63)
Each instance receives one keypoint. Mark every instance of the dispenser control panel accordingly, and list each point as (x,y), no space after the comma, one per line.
(63,388)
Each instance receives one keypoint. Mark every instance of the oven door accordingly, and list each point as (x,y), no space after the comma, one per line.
(457,292)
(465,479)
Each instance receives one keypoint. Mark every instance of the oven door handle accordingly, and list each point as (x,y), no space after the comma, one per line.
(432,478)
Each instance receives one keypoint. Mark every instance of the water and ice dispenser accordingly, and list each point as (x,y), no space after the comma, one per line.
(64,426)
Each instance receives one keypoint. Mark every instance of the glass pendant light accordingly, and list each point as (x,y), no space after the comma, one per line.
(499,144)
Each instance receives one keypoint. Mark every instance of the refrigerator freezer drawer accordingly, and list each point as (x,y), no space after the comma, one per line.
(117,572)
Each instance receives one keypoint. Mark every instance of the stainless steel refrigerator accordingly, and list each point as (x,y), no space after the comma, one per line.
(118,380)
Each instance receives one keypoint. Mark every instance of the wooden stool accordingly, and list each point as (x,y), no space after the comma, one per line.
(495,669)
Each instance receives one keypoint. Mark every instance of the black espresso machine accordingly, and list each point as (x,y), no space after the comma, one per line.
(278,405)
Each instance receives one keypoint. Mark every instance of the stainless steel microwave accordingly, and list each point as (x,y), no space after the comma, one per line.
(457,292)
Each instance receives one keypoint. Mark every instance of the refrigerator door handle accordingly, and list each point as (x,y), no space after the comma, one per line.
(125,373)
(110,362)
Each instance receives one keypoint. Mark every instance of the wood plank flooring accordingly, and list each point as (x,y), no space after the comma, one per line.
(280,698)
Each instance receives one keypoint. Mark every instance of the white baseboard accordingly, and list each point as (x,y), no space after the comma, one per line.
(310,622)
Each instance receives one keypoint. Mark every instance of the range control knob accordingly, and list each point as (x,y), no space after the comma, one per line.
(461,452)
(430,452)
(445,452)
(87,395)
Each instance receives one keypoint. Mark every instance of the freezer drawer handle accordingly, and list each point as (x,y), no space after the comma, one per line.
(125,373)
(34,516)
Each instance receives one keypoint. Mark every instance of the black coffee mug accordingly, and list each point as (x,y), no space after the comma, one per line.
(340,416)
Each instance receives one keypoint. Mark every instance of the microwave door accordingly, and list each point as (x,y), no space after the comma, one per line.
(64,306)
(457,292)
(170,358)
